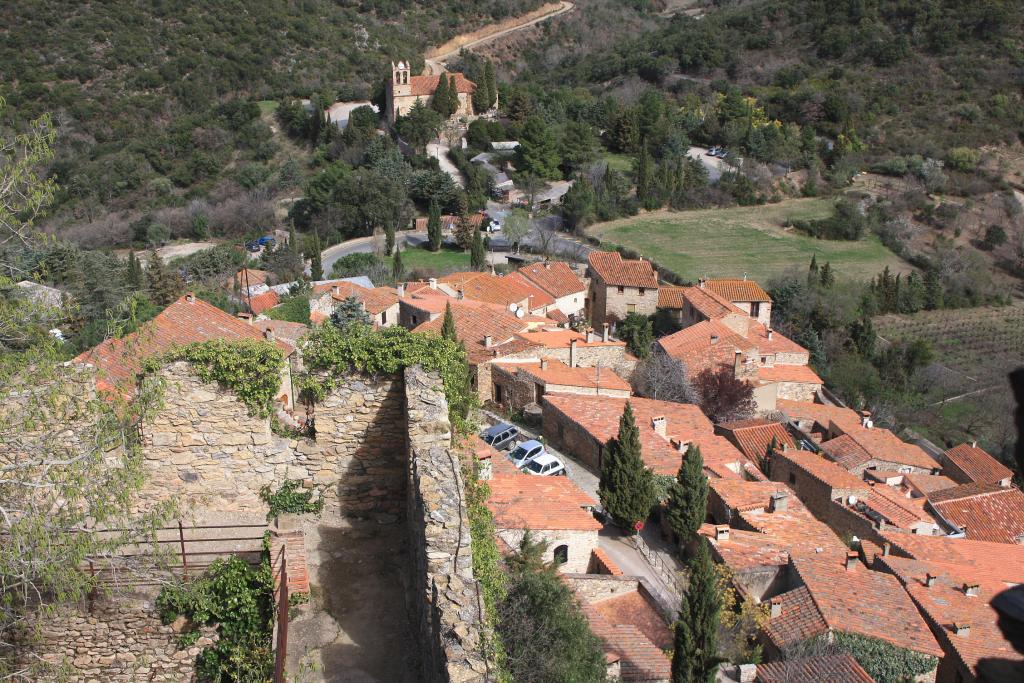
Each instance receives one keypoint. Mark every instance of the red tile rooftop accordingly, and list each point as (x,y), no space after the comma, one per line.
(707,344)
(737,290)
(741,495)
(263,302)
(924,484)
(837,668)
(523,501)
(817,412)
(639,658)
(824,470)
(800,374)
(634,609)
(798,620)
(968,463)
(424,86)
(998,560)
(473,324)
(987,512)
(554,277)
(559,374)
(753,437)
(896,508)
(561,339)
(616,271)
(881,444)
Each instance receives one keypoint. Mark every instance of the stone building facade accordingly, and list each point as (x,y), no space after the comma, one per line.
(619,287)
(578,546)
(404,90)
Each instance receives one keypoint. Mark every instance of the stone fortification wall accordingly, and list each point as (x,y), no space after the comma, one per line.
(446,596)
(204,450)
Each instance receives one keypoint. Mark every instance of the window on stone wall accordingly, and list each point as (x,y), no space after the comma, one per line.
(622,290)
(383,318)
(641,291)
(497,393)
(561,554)
(630,308)
(755,309)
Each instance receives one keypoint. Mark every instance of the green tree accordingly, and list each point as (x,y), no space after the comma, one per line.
(695,656)
(163,284)
(350,311)
(638,334)
(453,95)
(933,289)
(537,153)
(578,204)
(626,488)
(646,183)
(464,232)
(440,102)
(579,146)
(448,330)
(688,496)
(828,278)
(477,253)
(397,269)
(434,233)
(492,84)
(813,273)
(316,265)
(419,126)
(389,239)
(516,226)
(134,276)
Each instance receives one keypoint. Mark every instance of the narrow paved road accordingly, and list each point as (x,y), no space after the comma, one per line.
(365,245)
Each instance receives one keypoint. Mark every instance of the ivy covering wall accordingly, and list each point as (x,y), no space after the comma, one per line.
(885,662)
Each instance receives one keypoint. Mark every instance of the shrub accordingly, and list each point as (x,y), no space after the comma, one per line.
(291,498)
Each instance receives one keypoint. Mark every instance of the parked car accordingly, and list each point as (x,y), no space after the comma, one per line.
(712,152)
(501,435)
(253,246)
(525,452)
(266,241)
(545,465)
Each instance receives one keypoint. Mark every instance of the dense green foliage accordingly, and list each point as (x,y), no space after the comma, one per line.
(249,368)
(688,496)
(884,662)
(330,352)
(637,332)
(695,657)
(293,308)
(626,487)
(348,312)
(239,600)
(291,497)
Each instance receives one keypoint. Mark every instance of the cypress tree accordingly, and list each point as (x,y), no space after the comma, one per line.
(440,101)
(492,84)
(293,242)
(464,232)
(812,271)
(695,657)
(453,95)
(134,275)
(448,325)
(828,278)
(477,254)
(932,289)
(646,185)
(163,284)
(316,266)
(434,234)
(688,496)
(389,239)
(626,488)
(397,269)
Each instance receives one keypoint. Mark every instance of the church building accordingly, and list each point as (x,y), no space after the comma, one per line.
(404,89)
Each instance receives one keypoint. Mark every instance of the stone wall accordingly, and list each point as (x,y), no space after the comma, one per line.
(119,639)
(597,587)
(607,355)
(205,451)
(580,545)
(798,391)
(608,304)
(569,437)
(446,596)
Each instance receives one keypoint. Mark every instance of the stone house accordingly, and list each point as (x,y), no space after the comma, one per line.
(619,287)
(983,512)
(515,294)
(404,90)
(753,437)
(379,303)
(745,294)
(517,385)
(967,464)
(558,279)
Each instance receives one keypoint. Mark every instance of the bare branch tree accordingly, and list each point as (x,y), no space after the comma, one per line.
(664,378)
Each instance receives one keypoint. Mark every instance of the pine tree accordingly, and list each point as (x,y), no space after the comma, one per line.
(813,276)
(439,102)
(492,84)
(448,330)
(389,239)
(453,95)
(477,254)
(646,185)
(397,269)
(316,266)
(828,278)
(163,284)
(134,275)
(434,234)
(627,486)
(695,657)
(464,232)
(688,496)
(350,311)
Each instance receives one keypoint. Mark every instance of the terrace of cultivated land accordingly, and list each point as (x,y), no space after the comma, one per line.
(749,240)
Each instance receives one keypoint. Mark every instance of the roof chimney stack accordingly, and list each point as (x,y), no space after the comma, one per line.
(488,340)
(432,282)
(769,334)
(572,353)
(776,607)
(590,335)
(961,628)
(190,297)
(604,333)
(247,317)
(737,363)
(721,532)
(543,363)
(401,290)
(268,334)
(778,502)
(929,579)
(714,339)
(680,445)
(852,558)
(971,589)
(974,444)
(659,424)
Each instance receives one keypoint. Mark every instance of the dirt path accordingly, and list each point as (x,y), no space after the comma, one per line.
(435,57)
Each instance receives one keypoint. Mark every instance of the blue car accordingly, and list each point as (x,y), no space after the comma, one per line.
(525,452)
(266,241)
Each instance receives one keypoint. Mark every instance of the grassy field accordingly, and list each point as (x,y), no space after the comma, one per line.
(619,162)
(747,240)
(441,262)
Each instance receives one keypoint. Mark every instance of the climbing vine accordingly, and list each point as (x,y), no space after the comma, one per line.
(884,662)
(331,353)
(290,497)
(249,368)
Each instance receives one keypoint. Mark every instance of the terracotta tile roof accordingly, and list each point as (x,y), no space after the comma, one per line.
(557,315)
(558,373)
(562,339)
(866,602)
(538,297)
(722,460)
(823,415)
(616,271)
(737,290)
(899,510)
(523,501)
(741,495)
(706,302)
(378,299)
(978,558)
(800,619)
(988,512)
(708,344)
(927,483)
(263,302)
(599,415)
(473,324)
(824,471)
(779,343)
(837,668)
(845,451)
(283,329)
(448,222)
(424,86)
(670,296)
(503,291)
(247,277)
(183,322)
(345,289)
(967,463)
(554,277)
(877,443)
(753,437)
(639,658)
(800,374)
(634,609)
(945,604)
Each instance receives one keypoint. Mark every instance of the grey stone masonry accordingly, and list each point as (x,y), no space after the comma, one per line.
(447,597)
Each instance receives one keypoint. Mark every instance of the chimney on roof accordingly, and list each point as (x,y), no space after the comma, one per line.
(714,339)
(971,589)
(572,353)
(776,607)
(770,334)
(929,579)
(974,444)
(778,502)
(460,295)
(852,558)
(268,334)
(335,289)
(432,282)
(737,363)
(701,281)
(590,335)
(247,317)
(488,341)
(865,421)
(190,297)
(721,532)
(401,290)
(543,363)
(961,628)
(680,445)
(547,265)
(659,424)
(604,333)
(886,547)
